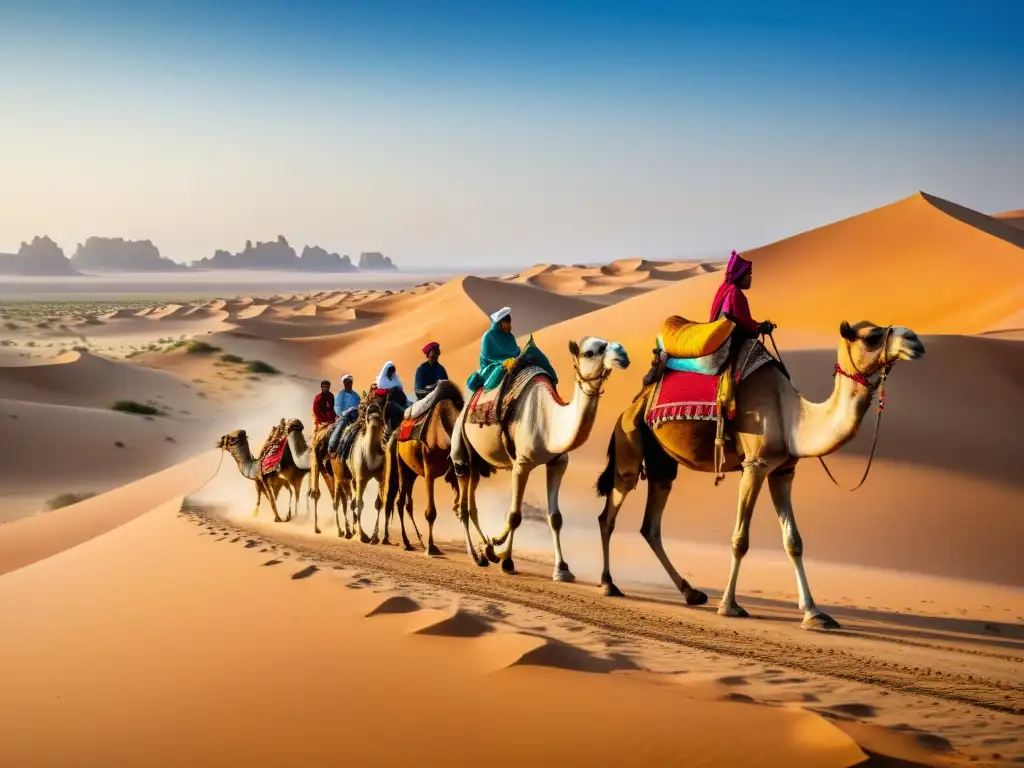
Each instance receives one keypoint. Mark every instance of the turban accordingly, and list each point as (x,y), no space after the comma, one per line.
(430,346)
(501,314)
(737,267)
(346,377)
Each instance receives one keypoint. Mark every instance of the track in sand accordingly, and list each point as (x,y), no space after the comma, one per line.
(943,671)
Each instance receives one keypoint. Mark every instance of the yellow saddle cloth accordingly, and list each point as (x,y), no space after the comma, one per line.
(686,339)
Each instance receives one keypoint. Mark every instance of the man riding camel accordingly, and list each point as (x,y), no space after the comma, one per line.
(429,373)
(498,354)
(323,405)
(346,406)
(390,394)
(731,301)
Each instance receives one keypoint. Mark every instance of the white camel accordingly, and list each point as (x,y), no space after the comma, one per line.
(542,430)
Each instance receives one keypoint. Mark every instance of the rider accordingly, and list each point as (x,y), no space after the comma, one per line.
(731,301)
(498,352)
(323,405)
(429,373)
(346,406)
(391,395)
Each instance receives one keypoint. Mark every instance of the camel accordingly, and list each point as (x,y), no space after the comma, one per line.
(347,481)
(427,457)
(300,464)
(237,444)
(541,431)
(773,428)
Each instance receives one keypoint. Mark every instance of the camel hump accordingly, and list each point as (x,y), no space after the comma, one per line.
(685,339)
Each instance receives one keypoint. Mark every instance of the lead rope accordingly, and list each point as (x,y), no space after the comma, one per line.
(874,437)
(215,473)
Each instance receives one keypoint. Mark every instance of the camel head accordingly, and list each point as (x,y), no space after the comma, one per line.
(374,417)
(870,348)
(233,441)
(294,426)
(595,358)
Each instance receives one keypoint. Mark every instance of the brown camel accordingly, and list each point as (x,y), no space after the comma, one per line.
(773,428)
(237,444)
(347,480)
(426,457)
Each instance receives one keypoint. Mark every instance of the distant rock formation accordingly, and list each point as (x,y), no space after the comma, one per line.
(280,255)
(120,255)
(40,257)
(373,261)
(316,259)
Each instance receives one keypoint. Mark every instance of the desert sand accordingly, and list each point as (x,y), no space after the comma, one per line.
(192,617)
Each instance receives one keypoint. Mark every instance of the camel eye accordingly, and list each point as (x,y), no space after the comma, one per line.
(874,338)
(588,353)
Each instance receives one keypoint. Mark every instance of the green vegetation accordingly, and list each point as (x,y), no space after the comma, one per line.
(67,499)
(200,348)
(232,359)
(258,366)
(130,406)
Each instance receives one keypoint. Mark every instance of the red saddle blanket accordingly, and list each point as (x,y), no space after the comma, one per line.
(410,429)
(272,457)
(682,395)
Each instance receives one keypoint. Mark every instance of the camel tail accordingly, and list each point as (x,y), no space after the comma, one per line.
(606,482)
(450,477)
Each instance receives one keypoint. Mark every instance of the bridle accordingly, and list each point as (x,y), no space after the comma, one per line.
(861,378)
(586,383)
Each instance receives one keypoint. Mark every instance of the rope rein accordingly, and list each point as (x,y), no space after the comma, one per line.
(215,472)
(861,378)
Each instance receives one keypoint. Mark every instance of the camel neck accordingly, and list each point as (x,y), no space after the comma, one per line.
(819,429)
(570,424)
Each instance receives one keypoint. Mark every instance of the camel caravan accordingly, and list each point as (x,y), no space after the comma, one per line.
(715,400)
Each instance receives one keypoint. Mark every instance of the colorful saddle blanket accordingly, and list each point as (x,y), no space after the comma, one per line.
(348,437)
(710,365)
(411,429)
(487,408)
(273,449)
(690,396)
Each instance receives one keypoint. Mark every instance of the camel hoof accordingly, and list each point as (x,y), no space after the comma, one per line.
(316,531)
(278,520)
(408,547)
(433,551)
(508,566)
(610,590)
(695,597)
(565,576)
(386,541)
(819,621)
(348,534)
(490,554)
(482,561)
(733,611)
(364,538)
(374,540)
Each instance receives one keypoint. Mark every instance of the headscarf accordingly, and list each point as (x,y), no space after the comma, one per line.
(389,382)
(500,315)
(734,270)
(430,346)
(346,377)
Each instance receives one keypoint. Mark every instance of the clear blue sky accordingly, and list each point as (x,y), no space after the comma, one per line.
(516,132)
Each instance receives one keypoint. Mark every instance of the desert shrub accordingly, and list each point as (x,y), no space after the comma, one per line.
(200,348)
(258,366)
(67,499)
(11,326)
(232,359)
(130,406)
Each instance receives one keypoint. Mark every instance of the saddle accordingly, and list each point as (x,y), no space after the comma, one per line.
(272,451)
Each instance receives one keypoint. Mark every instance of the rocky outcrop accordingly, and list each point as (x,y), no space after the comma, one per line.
(375,262)
(317,259)
(40,257)
(280,255)
(115,254)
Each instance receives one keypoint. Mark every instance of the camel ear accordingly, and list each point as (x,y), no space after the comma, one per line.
(847,332)
(574,349)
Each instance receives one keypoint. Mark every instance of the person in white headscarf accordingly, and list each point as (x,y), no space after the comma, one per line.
(391,394)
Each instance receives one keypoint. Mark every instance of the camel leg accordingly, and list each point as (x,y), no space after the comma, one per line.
(750,486)
(259,498)
(357,509)
(555,472)
(474,517)
(612,505)
(520,476)
(657,497)
(378,504)
(343,500)
(468,512)
(404,503)
(780,486)
(272,498)
(408,481)
(291,499)
(430,514)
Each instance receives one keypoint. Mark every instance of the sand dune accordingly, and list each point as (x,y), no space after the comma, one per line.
(1013,218)
(85,379)
(134,575)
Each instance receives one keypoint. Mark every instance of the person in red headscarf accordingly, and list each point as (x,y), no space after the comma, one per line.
(429,372)
(731,301)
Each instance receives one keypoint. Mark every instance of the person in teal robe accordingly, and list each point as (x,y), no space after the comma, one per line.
(499,350)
